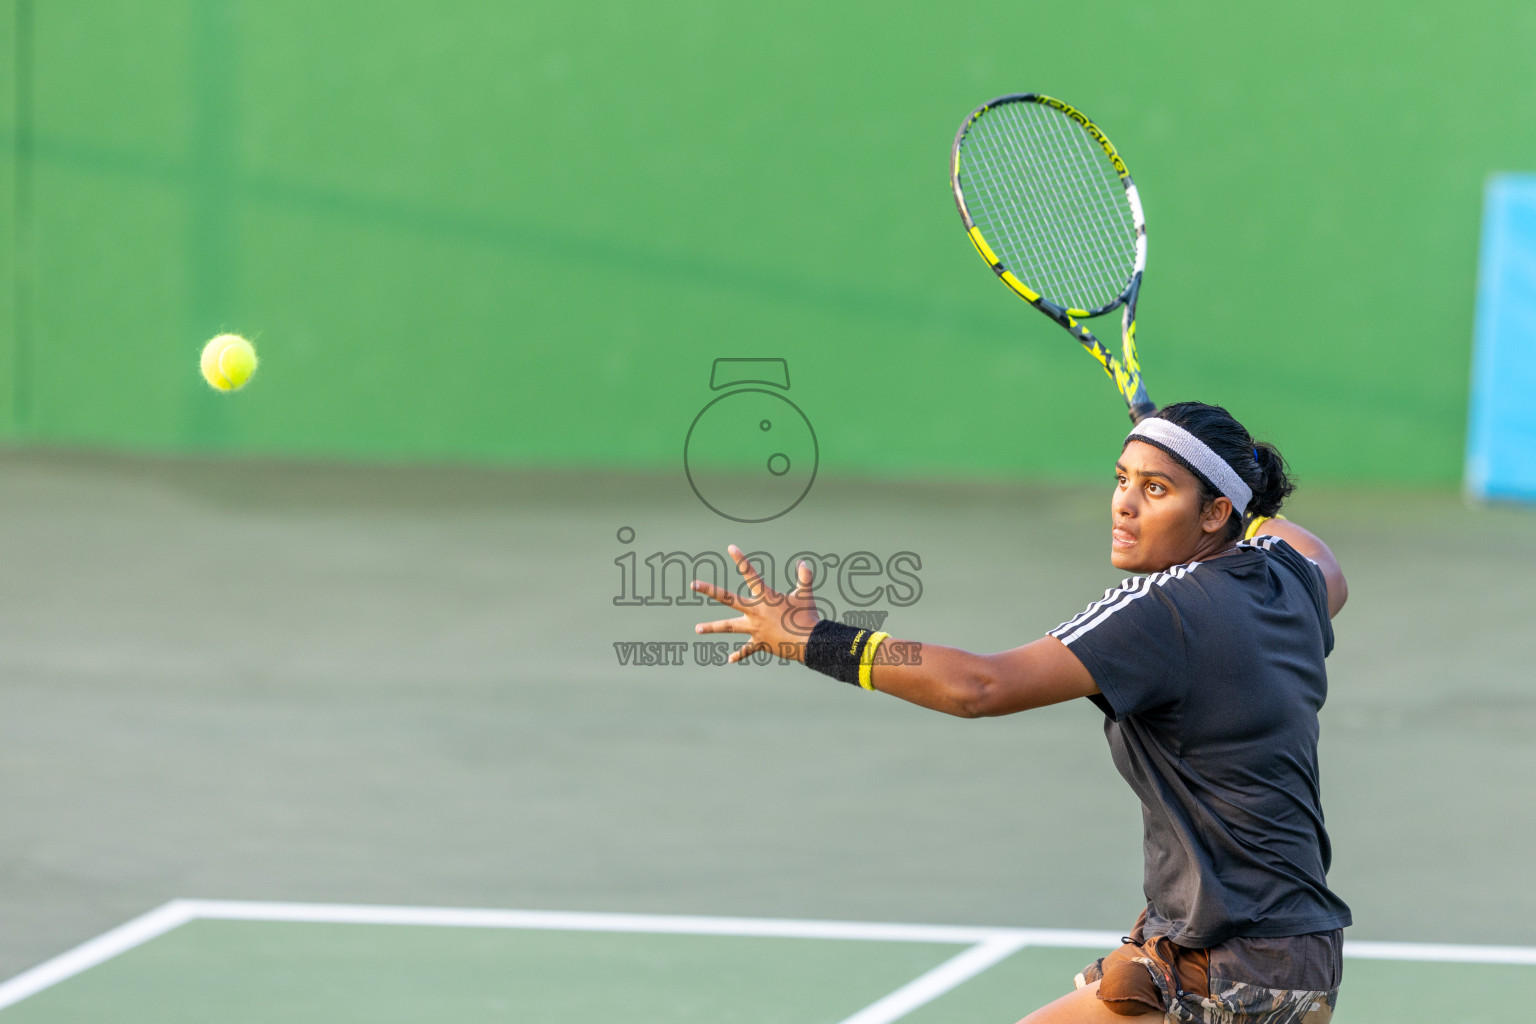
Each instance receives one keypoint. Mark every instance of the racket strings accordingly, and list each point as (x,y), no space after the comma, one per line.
(1077,261)
(1075,204)
(1084,161)
(1037,240)
(1038,154)
(1082,260)
(1011,214)
(1049,201)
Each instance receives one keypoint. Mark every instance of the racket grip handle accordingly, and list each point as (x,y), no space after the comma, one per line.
(1141,410)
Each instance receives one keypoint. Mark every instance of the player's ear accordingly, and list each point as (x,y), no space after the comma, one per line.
(1214,516)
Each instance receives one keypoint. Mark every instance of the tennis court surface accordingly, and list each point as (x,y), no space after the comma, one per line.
(244,961)
(413,716)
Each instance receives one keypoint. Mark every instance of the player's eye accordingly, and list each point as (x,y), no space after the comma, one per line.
(1155,488)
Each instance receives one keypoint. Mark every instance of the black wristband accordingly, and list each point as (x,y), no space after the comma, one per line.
(835,649)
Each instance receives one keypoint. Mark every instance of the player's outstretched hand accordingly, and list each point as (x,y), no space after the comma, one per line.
(773,621)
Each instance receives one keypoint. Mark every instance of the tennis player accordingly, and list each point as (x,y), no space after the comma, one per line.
(1209,670)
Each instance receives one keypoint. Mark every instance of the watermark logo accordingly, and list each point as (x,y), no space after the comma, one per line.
(750,454)
(847,587)
(710,653)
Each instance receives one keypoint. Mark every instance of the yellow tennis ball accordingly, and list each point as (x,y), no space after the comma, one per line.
(228,362)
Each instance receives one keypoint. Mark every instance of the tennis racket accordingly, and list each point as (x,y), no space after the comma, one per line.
(1049,204)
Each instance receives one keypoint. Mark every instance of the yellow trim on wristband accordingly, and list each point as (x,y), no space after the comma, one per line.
(867,660)
(1253,527)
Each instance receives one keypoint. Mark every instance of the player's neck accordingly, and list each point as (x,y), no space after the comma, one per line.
(1213,547)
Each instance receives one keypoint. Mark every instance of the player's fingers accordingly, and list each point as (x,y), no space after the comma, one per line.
(746,650)
(803,576)
(748,571)
(724,626)
(714,593)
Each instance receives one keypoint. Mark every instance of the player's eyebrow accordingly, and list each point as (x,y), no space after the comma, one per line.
(1119,468)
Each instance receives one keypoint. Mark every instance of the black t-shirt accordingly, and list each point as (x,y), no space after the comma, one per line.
(1210,677)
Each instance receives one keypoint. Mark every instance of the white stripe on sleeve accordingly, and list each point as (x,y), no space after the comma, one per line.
(1114,600)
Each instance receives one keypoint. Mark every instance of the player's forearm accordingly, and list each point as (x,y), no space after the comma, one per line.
(943,679)
(981,685)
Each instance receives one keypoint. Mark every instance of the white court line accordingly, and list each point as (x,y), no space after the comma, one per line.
(1430,952)
(582,921)
(988,945)
(952,973)
(98,950)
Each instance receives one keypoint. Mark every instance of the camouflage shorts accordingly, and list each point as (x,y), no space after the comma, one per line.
(1192,986)
(1236,1002)
(1224,1002)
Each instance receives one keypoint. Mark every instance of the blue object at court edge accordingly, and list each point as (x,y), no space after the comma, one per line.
(1501,431)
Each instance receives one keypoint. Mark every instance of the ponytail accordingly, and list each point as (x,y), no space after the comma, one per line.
(1274,483)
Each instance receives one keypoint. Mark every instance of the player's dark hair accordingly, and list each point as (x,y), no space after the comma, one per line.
(1259,463)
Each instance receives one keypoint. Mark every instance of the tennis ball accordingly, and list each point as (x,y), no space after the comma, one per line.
(228,362)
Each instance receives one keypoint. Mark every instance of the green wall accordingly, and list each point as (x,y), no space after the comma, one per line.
(521,233)
(10,75)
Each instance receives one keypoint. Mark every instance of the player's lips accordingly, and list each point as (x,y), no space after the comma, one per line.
(1120,537)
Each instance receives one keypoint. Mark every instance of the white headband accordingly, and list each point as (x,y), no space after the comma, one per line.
(1175,440)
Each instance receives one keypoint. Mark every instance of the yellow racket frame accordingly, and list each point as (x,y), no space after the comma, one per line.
(1124,370)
